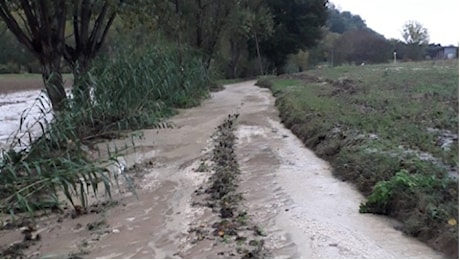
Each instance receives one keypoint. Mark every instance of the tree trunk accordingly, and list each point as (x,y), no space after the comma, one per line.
(54,85)
(199,25)
(258,53)
(234,58)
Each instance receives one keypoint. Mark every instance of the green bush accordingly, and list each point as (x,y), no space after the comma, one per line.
(385,191)
(265,83)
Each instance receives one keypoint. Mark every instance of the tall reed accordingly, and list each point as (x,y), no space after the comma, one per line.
(128,92)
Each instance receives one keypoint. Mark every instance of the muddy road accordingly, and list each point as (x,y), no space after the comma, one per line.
(290,193)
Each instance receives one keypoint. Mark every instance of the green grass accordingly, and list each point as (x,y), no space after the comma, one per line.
(382,126)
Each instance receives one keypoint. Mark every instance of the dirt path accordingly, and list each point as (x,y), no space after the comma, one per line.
(289,192)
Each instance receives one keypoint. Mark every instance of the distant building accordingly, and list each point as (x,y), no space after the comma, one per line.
(450,52)
(438,52)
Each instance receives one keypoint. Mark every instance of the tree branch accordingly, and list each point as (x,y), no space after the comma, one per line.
(106,31)
(76,29)
(45,28)
(84,24)
(97,29)
(32,21)
(14,27)
(62,17)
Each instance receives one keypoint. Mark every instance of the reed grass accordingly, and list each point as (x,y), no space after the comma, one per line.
(127,92)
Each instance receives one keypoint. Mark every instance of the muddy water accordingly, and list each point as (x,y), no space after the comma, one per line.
(306,211)
(15,105)
(289,192)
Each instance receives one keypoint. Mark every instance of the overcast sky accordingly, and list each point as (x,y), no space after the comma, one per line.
(387,17)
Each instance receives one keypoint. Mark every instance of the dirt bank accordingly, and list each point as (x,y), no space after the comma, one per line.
(291,194)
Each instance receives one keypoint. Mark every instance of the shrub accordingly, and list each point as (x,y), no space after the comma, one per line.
(264,83)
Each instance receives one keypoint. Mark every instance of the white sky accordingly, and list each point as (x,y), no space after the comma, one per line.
(387,17)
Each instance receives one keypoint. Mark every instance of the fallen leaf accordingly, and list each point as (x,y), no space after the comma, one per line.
(452,222)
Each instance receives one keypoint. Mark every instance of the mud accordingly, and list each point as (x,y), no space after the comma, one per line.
(289,192)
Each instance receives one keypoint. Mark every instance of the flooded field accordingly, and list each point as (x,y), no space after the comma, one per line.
(290,193)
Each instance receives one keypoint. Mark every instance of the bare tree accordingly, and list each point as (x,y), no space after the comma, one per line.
(40,25)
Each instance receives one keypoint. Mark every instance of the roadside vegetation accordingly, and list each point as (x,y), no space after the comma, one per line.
(390,129)
(58,165)
(132,64)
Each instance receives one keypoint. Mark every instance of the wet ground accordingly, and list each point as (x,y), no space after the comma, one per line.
(289,192)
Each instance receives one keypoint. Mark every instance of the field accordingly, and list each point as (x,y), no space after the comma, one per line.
(23,82)
(390,129)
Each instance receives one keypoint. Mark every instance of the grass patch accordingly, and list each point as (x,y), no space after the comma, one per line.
(392,130)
